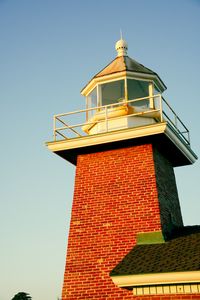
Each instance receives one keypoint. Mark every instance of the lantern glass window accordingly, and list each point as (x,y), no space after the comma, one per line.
(92,101)
(112,92)
(138,89)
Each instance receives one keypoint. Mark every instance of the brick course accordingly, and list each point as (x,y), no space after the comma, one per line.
(170,297)
(115,197)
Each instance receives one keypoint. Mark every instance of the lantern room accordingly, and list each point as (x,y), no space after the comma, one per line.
(123,88)
(124,102)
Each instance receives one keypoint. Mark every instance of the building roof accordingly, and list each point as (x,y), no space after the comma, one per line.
(177,255)
(124,63)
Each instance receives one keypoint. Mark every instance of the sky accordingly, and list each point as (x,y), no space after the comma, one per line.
(49,50)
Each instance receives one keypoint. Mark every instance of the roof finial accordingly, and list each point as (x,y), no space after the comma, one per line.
(121,34)
(121,46)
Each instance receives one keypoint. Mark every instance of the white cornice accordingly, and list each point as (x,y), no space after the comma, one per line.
(113,136)
(120,75)
(180,144)
(125,134)
(157,279)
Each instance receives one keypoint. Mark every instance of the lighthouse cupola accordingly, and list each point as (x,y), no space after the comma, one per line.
(123,88)
(124,102)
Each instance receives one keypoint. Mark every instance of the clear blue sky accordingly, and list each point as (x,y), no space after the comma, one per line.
(49,50)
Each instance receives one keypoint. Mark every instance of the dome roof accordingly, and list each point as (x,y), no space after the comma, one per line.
(121,46)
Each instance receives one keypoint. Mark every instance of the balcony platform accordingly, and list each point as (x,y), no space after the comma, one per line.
(161,134)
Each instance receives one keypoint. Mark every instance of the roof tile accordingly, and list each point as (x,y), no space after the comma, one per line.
(177,255)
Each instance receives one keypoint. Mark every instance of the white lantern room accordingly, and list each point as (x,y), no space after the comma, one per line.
(124,102)
(122,95)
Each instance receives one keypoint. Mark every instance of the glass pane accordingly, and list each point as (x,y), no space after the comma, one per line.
(112,92)
(138,89)
(156,91)
(92,99)
(92,102)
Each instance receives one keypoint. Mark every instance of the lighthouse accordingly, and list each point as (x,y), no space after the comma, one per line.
(127,239)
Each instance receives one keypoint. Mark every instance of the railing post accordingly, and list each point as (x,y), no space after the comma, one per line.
(54,127)
(176,123)
(188,134)
(106,118)
(161,108)
(160,105)
(151,98)
(126,89)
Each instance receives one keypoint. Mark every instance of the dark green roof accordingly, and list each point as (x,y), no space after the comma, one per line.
(177,255)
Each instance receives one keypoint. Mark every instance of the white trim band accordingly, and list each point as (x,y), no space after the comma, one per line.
(124,134)
(157,279)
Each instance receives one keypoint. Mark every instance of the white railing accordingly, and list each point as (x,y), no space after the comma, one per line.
(69,125)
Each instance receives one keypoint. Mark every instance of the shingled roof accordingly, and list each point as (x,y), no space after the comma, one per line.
(177,255)
(124,63)
(127,64)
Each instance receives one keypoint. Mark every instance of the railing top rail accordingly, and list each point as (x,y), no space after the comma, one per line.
(104,106)
(115,118)
(174,113)
(172,119)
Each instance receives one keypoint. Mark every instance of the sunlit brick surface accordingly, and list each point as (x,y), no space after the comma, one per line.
(115,197)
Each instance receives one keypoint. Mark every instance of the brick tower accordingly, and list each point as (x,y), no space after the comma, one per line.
(125,195)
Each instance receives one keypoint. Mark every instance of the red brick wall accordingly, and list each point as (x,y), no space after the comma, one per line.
(115,197)
(170,211)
